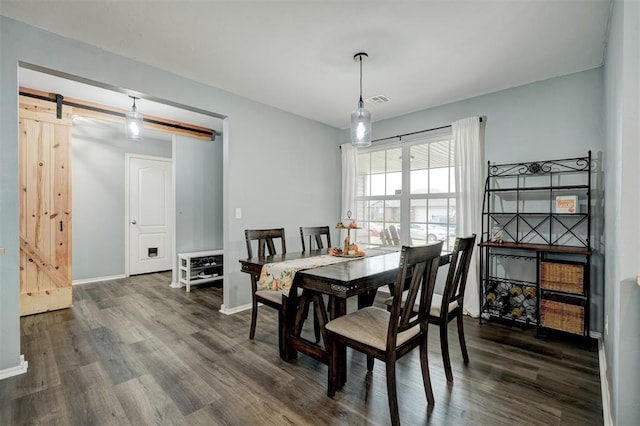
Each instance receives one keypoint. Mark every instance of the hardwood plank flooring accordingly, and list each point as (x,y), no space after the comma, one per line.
(136,352)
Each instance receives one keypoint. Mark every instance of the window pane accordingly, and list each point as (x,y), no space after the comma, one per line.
(439,180)
(394,183)
(452,179)
(439,154)
(378,162)
(378,184)
(364,166)
(392,212)
(394,160)
(419,181)
(419,156)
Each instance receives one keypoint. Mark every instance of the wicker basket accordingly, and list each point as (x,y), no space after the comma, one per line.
(562,316)
(567,277)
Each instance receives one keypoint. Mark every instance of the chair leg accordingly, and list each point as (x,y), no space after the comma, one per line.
(254,318)
(391,392)
(332,371)
(282,333)
(426,377)
(444,345)
(463,345)
(316,326)
(370,361)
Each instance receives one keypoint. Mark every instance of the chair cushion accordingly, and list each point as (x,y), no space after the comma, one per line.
(369,326)
(436,303)
(274,296)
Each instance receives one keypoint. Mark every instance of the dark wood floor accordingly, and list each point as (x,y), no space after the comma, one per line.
(135,351)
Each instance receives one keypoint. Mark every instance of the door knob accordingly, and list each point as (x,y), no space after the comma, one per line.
(133,222)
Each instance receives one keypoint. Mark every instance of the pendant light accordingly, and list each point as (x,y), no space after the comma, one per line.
(360,118)
(133,127)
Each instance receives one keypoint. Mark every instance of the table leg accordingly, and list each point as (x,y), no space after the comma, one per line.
(339,308)
(287,353)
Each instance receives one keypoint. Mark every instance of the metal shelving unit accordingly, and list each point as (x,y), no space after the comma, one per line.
(535,256)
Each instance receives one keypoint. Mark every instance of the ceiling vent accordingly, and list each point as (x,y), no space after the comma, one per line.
(377,100)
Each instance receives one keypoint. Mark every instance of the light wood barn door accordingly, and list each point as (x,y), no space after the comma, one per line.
(45,206)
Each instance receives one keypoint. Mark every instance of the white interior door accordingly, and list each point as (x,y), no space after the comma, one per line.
(150,215)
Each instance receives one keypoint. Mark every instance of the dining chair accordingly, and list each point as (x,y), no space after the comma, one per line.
(274,299)
(314,233)
(449,305)
(389,335)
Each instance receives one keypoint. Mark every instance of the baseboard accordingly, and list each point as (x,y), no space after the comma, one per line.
(97,279)
(604,385)
(14,371)
(226,311)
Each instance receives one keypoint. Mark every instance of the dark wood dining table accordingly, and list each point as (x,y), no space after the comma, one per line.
(360,277)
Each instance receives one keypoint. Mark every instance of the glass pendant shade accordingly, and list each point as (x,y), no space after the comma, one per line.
(133,125)
(361,126)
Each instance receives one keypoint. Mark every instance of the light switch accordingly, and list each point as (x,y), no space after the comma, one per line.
(1,251)
(238,213)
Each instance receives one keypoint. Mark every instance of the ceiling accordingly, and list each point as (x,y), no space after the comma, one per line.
(298,55)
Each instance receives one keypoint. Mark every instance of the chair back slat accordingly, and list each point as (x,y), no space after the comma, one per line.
(458,270)
(418,266)
(265,241)
(314,233)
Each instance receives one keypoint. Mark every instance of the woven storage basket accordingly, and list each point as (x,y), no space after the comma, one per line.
(562,316)
(567,277)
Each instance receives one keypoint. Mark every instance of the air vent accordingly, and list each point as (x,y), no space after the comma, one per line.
(377,100)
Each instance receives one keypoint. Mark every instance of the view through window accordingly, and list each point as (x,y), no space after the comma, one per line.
(406,193)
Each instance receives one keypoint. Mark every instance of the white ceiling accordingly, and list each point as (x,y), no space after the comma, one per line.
(298,55)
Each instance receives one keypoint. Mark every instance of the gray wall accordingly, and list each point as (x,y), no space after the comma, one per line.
(98,193)
(281,169)
(556,118)
(622,338)
(198,179)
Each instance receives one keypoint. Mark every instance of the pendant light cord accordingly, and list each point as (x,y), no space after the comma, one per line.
(360,80)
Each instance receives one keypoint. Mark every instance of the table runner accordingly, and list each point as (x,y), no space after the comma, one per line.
(278,276)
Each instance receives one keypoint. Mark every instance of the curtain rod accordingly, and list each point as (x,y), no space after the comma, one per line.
(415,133)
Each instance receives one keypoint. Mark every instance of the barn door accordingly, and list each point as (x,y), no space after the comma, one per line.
(45,206)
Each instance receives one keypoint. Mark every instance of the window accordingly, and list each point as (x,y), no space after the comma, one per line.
(409,186)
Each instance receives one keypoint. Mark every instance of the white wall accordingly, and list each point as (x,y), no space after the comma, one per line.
(622,341)
(98,194)
(282,169)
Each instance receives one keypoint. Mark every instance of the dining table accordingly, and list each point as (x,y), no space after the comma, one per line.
(358,277)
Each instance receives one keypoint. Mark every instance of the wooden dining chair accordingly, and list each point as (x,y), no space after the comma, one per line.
(449,305)
(274,299)
(386,335)
(314,234)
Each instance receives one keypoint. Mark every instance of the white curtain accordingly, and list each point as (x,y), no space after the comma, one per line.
(468,138)
(349,163)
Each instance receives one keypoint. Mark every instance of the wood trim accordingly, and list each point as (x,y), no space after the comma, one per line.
(116,115)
